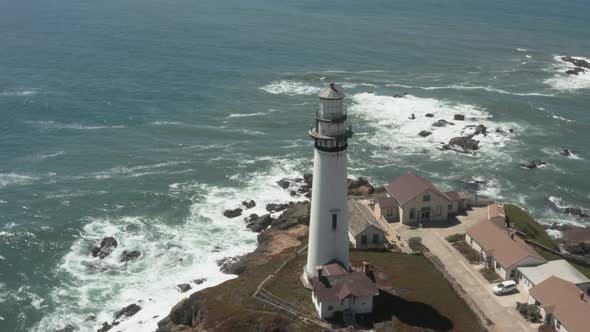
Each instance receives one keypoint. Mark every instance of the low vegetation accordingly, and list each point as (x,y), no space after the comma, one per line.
(529,311)
(522,221)
(455,238)
(490,275)
(467,251)
(416,245)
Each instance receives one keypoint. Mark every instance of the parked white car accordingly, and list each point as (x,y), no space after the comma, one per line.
(504,287)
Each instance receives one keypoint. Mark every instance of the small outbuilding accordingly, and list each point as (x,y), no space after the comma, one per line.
(533,275)
(364,231)
(458,202)
(334,289)
(497,214)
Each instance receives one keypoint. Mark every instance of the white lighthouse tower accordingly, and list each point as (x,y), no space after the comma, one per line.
(328,230)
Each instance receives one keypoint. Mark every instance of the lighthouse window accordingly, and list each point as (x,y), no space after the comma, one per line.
(334,221)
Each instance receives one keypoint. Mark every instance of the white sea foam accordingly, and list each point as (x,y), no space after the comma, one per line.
(390,117)
(45,156)
(54,125)
(245,115)
(19,93)
(8,179)
(558,152)
(564,82)
(522,49)
(291,88)
(464,87)
(136,171)
(172,253)
(554,233)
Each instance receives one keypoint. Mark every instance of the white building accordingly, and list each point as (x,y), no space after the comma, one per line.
(562,305)
(534,275)
(364,231)
(328,227)
(501,249)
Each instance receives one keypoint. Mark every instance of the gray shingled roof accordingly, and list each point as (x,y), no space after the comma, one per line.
(360,217)
(559,268)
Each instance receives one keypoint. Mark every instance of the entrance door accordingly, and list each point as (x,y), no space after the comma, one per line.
(425,214)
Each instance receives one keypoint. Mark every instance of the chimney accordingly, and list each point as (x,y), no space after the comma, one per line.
(320,271)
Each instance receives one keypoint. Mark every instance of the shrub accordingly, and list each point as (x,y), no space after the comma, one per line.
(455,238)
(415,243)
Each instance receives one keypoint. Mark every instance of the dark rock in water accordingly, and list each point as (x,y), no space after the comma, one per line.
(566,152)
(107,245)
(442,123)
(459,117)
(184,287)
(468,144)
(226,264)
(511,130)
(284,183)
(424,133)
(233,213)
(580,248)
(429,115)
(251,217)
(577,211)
(90,318)
(575,71)
(308,195)
(199,281)
(249,204)
(67,328)
(576,62)
(397,96)
(276,207)
(412,117)
(308,179)
(105,327)
(293,193)
(360,187)
(129,255)
(479,129)
(533,164)
(260,223)
(296,214)
(128,311)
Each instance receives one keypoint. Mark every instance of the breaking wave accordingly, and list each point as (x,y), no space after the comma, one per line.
(8,179)
(564,82)
(291,88)
(463,87)
(54,125)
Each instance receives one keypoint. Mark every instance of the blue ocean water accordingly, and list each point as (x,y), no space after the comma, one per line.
(144,120)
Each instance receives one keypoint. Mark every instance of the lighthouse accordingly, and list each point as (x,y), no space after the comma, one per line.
(328,228)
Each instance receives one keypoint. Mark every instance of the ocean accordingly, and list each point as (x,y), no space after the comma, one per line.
(145,120)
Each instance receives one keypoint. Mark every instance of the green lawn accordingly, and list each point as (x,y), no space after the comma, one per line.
(522,221)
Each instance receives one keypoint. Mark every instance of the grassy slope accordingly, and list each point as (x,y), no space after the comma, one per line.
(521,220)
(524,222)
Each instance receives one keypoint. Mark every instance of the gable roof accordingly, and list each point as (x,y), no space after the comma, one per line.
(456,195)
(408,186)
(559,268)
(386,202)
(506,249)
(337,287)
(360,218)
(563,299)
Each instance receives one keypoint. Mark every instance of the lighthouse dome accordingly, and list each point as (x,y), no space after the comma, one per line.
(331,92)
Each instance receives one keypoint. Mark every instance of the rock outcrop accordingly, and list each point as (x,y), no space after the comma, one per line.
(276,207)
(459,117)
(129,255)
(233,213)
(575,71)
(183,288)
(442,123)
(534,164)
(360,187)
(424,133)
(107,245)
(296,214)
(128,311)
(258,224)
(576,62)
(284,183)
(249,204)
(429,115)
(462,144)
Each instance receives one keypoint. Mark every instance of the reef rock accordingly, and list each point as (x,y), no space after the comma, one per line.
(577,211)
(67,328)
(107,245)
(442,123)
(199,281)
(534,164)
(459,117)
(129,255)
(467,144)
(284,183)
(575,71)
(128,311)
(576,62)
(276,207)
(232,213)
(249,204)
(184,287)
(296,214)
(105,327)
(566,152)
(429,115)
(259,224)
(424,133)
(477,130)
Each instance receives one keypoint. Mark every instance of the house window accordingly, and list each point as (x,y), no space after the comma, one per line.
(363,239)
(512,273)
(389,212)
(426,198)
(439,210)
(557,324)
(497,266)
(412,213)
(334,221)
(450,207)
(375,238)
(330,308)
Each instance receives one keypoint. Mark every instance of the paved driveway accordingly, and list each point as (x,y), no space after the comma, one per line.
(500,310)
